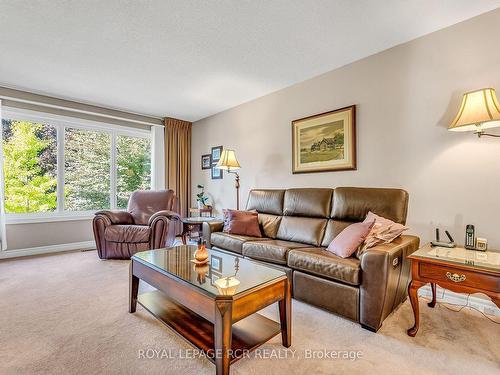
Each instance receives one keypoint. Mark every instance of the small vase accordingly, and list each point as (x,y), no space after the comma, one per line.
(201,254)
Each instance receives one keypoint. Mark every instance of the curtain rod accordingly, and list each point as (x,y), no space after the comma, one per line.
(37,100)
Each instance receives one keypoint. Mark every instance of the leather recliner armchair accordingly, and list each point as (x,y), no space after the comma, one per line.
(148,223)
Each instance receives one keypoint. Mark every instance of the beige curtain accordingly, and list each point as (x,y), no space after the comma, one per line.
(178,162)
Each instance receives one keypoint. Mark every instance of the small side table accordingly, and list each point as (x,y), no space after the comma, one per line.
(194,224)
(457,269)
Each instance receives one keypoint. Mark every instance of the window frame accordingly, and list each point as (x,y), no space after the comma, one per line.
(61,123)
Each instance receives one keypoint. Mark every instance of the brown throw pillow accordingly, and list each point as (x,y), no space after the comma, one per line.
(245,223)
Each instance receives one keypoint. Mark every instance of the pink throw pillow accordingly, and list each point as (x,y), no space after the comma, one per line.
(348,241)
(245,223)
(383,231)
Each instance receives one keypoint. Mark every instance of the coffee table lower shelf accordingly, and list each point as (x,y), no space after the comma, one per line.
(248,333)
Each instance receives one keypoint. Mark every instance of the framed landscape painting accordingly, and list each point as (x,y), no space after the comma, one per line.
(325,142)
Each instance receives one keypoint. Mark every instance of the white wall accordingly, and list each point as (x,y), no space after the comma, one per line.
(405,98)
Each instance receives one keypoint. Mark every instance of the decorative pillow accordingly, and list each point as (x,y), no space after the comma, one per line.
(383,231)
(245,223)
(348,241)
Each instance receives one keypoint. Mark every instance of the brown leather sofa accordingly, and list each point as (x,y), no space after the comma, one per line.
(298,224)
(147,224)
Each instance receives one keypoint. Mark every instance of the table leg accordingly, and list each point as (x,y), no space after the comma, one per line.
(223,334)
(184,234)
(133,290)
(433,302)
(285,307)
(413,293)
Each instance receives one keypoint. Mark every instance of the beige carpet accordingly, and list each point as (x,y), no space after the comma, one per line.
(67,314)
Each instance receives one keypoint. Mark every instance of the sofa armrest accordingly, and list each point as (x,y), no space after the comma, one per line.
(170,215)
(211,227)
(116,217)
(384,280)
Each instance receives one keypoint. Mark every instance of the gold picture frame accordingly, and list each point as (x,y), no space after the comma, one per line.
(325,142)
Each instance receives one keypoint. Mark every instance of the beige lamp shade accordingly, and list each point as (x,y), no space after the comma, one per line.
(479,110)
(228,161)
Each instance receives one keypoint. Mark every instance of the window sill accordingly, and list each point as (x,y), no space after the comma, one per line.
(11,219)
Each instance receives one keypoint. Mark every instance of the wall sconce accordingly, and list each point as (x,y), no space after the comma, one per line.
(479,111)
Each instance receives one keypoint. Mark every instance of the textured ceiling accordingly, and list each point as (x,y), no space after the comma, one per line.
(190,59)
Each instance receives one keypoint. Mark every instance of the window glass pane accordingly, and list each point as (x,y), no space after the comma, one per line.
(133,162)
(86,169)
(30,166)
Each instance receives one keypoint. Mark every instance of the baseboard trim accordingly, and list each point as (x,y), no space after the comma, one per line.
(486,306)
(85,245)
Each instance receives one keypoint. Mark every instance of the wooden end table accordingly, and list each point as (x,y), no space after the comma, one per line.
(194,224)
(214,306)
(457,269)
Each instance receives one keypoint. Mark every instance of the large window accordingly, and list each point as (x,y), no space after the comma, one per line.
(53,166)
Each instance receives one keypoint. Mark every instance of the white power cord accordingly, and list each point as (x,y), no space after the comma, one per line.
(461,307)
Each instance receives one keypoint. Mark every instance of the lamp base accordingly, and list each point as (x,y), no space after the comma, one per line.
(237,186)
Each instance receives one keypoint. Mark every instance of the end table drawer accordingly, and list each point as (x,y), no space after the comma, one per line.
(458,276)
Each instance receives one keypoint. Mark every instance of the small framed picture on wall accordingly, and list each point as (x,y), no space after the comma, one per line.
(206,161)
(216,153)
(216,173)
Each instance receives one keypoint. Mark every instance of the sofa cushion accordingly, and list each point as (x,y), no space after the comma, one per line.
(307,202)
(302,229)
(320,262)
(269,225)
(127,233)
(266,201)
(232,242)
(274,251)
(353,204)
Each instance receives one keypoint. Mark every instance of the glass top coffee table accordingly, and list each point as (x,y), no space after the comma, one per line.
(213,306)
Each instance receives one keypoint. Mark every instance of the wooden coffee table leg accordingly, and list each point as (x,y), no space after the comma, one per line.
(223,334)
(433,302)
(285,307)
(133,290)
(413,293)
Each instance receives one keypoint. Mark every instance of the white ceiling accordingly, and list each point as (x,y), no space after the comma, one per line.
(190,59)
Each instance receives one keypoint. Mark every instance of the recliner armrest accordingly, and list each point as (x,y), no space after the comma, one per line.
(384,280)
(209,228)
(116,217)
(170,215)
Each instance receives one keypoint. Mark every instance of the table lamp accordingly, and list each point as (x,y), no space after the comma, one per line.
(479,111)
(229,163)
